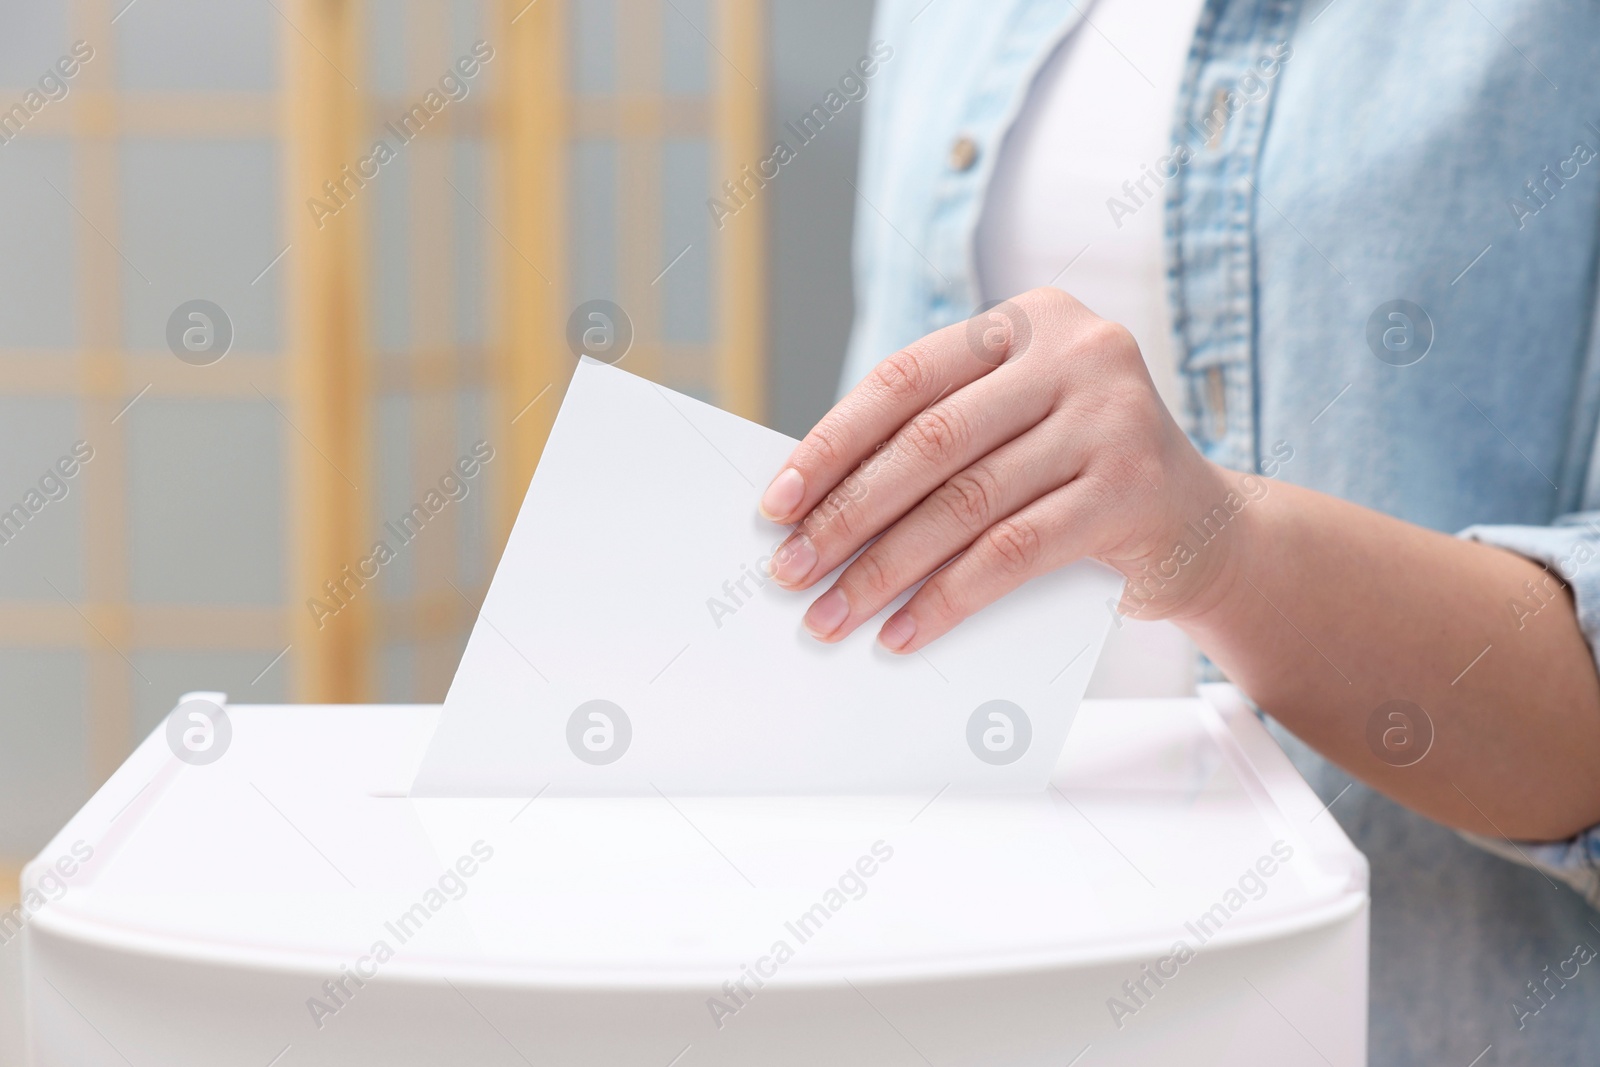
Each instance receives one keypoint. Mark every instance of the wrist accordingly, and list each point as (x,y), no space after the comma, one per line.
(1254,533)
(1201,562)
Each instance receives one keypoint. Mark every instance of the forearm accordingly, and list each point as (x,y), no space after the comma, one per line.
(1326,610)
(985,455)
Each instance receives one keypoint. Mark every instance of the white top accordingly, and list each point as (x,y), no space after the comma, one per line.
(1076,184)
(296,848)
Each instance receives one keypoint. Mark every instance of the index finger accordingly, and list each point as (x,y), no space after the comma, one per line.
(907,382)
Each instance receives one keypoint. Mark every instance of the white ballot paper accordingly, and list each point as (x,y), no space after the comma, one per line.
(631,641)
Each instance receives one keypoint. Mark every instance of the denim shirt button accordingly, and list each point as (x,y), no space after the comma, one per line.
(963,153)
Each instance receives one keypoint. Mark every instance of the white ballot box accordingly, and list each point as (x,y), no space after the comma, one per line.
(1178,895)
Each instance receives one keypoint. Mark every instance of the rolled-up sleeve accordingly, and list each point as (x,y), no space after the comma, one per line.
(1570,549)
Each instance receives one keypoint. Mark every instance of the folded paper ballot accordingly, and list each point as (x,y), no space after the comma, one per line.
(632,643)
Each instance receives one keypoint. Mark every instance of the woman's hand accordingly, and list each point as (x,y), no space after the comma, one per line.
(1032,436)
(1007,446)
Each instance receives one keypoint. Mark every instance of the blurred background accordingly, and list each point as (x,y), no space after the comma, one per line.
(367,319)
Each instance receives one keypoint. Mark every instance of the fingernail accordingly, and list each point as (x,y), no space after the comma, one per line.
(827,614)
(897,632)
(794,560)
(783,495)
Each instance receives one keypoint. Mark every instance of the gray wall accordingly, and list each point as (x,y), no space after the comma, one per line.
(814,42)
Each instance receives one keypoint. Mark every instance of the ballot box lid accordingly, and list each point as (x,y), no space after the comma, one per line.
(1167,820)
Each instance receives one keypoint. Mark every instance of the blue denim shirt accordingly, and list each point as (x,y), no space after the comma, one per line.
(1382,225)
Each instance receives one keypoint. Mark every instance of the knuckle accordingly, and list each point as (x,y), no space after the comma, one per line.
(1113,339)
(1017,544)
(873,575)
(905,376)
(936,435)
(1049,298)
(1133,416)
(833,517)
(852,491)
(970,498)
(879,461)
(941,601)
(824,445)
